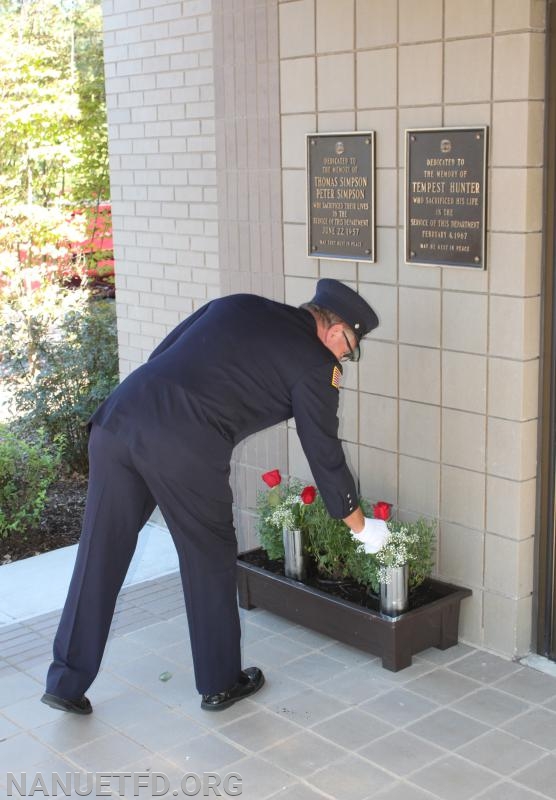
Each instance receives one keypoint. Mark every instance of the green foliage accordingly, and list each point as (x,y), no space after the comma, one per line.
(420,537)
(274,512)
(53,133)
(26,471)
(90,178)
(32,235)
(38,106)
(59,351)
(363,568)
(336,553)
(270,535)
(60,360)
(411,542)
(329,541)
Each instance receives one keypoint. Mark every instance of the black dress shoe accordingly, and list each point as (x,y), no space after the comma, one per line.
(79,706)
(250,681)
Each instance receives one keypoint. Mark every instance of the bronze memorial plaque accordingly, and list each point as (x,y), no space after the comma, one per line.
(340,195)
(445,201)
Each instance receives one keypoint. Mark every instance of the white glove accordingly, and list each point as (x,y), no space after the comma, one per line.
(374,535)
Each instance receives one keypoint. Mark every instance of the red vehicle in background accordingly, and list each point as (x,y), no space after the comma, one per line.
(93,255)
(84,249)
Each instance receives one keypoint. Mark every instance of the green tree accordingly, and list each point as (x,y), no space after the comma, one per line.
(60,361)
(90,173)
(53,133)
(38,109)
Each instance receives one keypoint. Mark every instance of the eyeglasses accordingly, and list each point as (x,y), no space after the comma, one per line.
(354,352)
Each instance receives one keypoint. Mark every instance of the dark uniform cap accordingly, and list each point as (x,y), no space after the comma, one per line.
(347,304)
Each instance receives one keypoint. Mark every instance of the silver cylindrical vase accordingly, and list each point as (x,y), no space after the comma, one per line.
(394,591)
(295,559)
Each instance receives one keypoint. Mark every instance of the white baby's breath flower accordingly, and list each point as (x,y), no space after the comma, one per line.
(284,514)
(396,551)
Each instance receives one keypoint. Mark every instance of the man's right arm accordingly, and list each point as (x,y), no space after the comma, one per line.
(356,520)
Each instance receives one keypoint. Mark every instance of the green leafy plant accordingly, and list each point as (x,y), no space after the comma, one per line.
(329,542)
(270,535)
(60,361)
(27,468)
(417,540)
(284,505)
(411,543)
(337,554)
(53,137)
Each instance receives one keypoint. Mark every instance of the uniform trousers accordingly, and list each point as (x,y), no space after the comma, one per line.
(123,492)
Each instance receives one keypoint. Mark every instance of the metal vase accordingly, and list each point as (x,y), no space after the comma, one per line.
(295,559)
(394,592)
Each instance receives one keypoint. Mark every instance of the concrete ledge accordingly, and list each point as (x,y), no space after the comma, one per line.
(37,585)
(539,663)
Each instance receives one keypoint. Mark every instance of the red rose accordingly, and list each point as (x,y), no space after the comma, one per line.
(308,495)
(381,510)
(272,478)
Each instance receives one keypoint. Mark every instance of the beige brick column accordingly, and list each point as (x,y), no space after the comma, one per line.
(160,99)
(249,199)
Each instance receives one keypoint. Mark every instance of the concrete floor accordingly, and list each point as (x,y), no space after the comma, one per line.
(329,723)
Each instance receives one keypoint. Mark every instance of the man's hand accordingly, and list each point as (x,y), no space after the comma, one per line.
(374,535)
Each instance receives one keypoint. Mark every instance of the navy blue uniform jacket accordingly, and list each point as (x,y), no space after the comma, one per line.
(237,365)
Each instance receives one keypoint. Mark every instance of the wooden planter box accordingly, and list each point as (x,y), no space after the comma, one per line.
(394,639)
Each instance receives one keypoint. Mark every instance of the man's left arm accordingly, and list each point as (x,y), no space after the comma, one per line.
(315,400)
(356,520)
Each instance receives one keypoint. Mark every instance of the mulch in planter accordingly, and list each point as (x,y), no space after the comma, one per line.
(345,589)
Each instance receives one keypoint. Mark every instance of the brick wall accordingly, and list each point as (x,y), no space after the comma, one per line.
(160,98)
